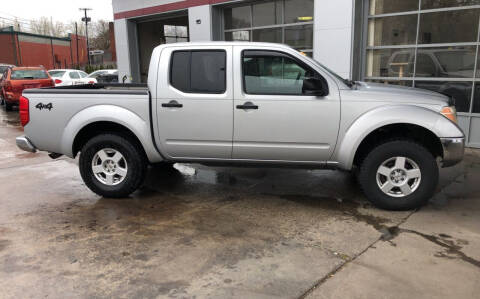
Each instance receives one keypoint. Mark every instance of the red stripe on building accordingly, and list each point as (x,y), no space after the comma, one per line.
(164,8)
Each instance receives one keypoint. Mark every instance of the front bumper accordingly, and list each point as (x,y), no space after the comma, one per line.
(453,150)
(25,144)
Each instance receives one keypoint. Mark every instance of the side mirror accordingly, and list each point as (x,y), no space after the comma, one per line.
(315,87)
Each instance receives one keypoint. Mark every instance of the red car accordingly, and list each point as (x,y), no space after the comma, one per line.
(16,79)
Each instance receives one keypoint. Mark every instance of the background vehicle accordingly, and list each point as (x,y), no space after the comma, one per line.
(3,68)
(17,79)
(102,72)
(108,77)
(230,103)
(65,77)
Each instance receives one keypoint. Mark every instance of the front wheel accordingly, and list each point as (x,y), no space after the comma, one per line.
(112,165)
(399,175)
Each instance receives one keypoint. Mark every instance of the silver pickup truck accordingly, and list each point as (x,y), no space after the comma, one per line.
(236,103)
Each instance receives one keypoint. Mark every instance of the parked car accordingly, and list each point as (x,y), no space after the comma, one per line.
(66,77)
(236,103)
(102,72)
(16,79)
(3,68)
(108,78)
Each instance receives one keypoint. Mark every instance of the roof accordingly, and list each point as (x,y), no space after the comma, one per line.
(225,43)
(64,70)
(19,68)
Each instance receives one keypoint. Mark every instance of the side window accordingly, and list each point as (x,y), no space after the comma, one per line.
(271,74)
(198,71)
(73,75)
(82,74)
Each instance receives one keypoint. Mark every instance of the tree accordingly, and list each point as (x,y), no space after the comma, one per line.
(46,26)
(100,35)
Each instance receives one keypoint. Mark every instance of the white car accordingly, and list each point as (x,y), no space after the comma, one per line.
(66,77)
(102,72)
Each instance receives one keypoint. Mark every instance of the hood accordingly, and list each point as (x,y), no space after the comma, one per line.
(395,93)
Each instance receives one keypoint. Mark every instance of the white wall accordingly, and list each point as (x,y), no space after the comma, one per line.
(121,43)
(332,37)
(127,5)
(202,31)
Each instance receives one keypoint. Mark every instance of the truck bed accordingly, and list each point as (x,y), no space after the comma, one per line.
(100,88)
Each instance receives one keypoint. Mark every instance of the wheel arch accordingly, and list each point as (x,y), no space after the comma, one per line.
(403,121)
(99,119)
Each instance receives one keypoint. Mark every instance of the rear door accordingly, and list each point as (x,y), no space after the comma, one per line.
(274,120)
(194,102)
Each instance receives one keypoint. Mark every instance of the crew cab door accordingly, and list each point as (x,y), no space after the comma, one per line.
(274,119)
(194,102)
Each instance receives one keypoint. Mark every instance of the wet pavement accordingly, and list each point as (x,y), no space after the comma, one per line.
(194,231)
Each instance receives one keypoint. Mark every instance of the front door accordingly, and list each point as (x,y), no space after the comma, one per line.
(194,102)
(274,119)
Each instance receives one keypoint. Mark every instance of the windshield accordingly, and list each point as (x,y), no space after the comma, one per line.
(345,81)
(28,74)
(96,74)
(57,74)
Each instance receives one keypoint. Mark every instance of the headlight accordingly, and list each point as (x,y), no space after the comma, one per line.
(450,112)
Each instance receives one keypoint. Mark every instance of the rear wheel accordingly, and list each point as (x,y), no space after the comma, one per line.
(112,165)
(399,175)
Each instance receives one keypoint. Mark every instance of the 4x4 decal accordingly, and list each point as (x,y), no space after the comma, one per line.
(42,106)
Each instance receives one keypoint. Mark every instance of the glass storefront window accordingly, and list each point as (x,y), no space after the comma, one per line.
(237,17)
(453,62)
(456,26)
(407,83)
(432,4)
(390,6)
(476,98)
(242,35)
(397,30)
(299,37)
(460,91)
(390,63)
(298,11)
(275,21)
(269,35)
(267,13)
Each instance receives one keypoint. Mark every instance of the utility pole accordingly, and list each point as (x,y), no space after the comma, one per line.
(76,44)
(86,19)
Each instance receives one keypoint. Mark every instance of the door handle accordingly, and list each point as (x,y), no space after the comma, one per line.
(172,104)
(247,105)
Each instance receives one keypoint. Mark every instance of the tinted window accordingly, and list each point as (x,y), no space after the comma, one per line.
(264,74)
(73,75)
(28,74)
(198,71)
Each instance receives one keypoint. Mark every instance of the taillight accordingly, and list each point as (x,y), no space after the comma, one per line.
(24,111)
(58,81)
(91,82)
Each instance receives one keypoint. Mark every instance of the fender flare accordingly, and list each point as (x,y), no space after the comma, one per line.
(389,115)
(114,114)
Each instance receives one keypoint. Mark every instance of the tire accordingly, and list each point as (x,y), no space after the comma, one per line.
(406,187)
(112,178)
(8,106)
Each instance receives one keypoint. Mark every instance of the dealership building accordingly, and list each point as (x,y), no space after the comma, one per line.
(431,44)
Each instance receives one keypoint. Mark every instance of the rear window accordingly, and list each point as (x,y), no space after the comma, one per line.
(28,74)
(56,74)
(3,68)
(198,71)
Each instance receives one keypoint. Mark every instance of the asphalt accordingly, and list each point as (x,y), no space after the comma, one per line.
(201,232)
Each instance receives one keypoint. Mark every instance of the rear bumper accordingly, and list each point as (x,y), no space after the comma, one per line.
(453,150)
(25,144)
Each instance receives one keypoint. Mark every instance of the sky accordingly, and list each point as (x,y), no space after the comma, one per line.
(60,10)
